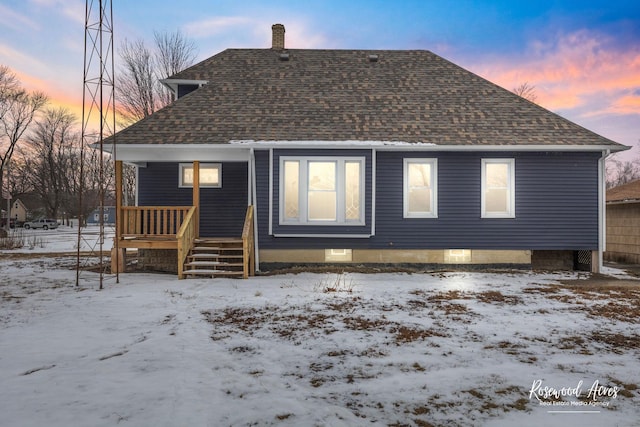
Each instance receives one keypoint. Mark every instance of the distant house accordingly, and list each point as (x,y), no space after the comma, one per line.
(279,157)
(18,211)
(623,223)
(109,216)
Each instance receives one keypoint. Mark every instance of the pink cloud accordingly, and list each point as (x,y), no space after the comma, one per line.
(580,69)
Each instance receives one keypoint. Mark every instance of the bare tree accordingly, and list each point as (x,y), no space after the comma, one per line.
(139,91)
(136,89)
(174,53)
(18,108)
(52,160)
(526,91)
(621,172)
(9,89)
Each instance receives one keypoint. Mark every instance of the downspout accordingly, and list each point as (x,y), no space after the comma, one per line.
(254,202)
(602,212)
(271,192)
(374,165)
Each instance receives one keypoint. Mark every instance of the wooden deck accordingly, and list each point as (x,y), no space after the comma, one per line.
(175,227)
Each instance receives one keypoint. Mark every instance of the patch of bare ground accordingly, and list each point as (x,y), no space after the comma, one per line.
(618,343)
(497,297)
(628,390)
(576,343)
(598,297)
(405,334)
(448,296)
(443,301)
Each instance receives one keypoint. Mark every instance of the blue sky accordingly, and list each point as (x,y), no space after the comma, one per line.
(583,57)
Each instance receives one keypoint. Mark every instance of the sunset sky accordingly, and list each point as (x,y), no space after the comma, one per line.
(583,57)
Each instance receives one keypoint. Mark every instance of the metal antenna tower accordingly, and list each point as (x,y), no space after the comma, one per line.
(98,107)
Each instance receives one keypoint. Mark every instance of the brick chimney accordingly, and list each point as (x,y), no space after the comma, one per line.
(278,36)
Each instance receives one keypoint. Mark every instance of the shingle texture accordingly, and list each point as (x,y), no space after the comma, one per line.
(340,95)
(625,192)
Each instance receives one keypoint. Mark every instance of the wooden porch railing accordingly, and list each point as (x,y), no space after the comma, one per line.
(248,258)
(152,221)
(185,236)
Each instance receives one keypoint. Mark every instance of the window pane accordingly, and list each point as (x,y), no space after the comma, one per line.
(419,200)
(497,175)
(322,196)
(322,206)
(187,175)
(208,176)
(352,190)
(419,175)
(419,192)
(322,176)
(496,200)
(497,187)
(291,187)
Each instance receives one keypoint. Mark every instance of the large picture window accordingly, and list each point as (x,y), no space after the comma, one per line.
(420,188)
(210,175)
(322,190)
(498,188)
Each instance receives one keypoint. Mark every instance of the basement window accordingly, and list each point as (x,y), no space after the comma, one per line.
(210,175)
(338,255)
(457,256)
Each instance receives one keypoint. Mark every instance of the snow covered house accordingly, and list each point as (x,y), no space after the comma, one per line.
(273,157)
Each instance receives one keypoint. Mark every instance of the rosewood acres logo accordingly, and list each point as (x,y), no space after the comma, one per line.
(568,399)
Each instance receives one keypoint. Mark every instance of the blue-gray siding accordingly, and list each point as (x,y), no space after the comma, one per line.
(221,209)
(556,205)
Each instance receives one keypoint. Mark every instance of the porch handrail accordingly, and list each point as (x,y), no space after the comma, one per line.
(151,221)
(185,236)
(248,257)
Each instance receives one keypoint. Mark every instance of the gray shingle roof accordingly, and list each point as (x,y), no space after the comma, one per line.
(340,95)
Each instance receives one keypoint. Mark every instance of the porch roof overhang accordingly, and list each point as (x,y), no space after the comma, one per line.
(240,150)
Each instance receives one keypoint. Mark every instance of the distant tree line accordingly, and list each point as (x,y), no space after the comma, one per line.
(41,147)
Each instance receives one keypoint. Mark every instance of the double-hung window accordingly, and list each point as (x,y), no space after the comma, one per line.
(498,188)
(420,188)
(322,190)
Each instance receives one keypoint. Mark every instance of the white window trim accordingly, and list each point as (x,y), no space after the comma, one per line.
(434,188)
(183,166)
(511,203)
(303,190)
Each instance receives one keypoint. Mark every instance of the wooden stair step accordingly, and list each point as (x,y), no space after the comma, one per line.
(212,248)
(204,272)
(212,263)
(215,257)
(203,263)
(212,256)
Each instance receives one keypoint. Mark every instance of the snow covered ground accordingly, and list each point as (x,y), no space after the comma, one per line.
(442,349)
(62,239)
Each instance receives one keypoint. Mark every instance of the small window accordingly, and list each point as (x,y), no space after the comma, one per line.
(498,188)
(210,175)
(338,255)
(420,188)
(457,256)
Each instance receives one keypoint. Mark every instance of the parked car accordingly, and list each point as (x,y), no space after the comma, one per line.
(45,224)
